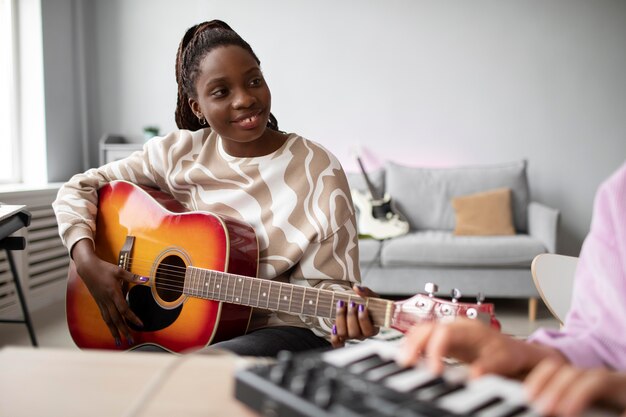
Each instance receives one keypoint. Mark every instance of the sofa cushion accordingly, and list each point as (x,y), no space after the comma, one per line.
(443,248)
(484,214)
(356,180)
(424,195)
(369,251)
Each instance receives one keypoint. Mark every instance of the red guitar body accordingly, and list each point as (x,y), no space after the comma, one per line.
(166,237)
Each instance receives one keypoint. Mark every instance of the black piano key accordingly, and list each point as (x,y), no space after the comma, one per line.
(323,393)
(277,373)
(486,404)
(439,390)
(299,382)
(503,410)
(430,383)
(422,409)
(367,363)
(385,371)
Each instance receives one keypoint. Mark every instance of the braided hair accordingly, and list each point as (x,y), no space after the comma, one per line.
(198,41)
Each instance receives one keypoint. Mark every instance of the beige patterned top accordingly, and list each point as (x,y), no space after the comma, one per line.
(297,200)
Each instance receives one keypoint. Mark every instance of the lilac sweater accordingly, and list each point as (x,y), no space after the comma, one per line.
(594,333)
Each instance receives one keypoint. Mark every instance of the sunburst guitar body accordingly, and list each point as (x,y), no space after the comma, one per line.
(165,241)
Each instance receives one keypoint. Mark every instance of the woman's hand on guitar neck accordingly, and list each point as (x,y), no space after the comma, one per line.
(353,321)
(104,281)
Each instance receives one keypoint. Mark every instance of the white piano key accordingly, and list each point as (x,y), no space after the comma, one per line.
(465,400)
(511,391)
(480,390)
(409,380)
(344,356)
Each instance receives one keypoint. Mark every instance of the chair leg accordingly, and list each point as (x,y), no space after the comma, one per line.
(18,288)
(532,309)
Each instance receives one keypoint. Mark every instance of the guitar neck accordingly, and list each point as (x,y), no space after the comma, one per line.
(278,296)
(376,195)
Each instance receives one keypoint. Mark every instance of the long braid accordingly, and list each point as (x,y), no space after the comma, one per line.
(198,41)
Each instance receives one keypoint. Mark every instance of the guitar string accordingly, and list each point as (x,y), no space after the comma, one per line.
(322,305)
(177,274)
(275,302)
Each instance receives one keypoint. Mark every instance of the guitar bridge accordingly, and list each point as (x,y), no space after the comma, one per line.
(124,257)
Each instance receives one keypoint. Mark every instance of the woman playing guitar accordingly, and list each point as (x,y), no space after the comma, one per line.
(229,157)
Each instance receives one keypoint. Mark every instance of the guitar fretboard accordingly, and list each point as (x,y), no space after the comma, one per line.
(277,296)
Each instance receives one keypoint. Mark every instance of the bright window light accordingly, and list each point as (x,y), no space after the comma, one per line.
(22,114)
(8,95)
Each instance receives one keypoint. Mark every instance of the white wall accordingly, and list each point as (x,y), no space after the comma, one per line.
(61,86)
(418,82)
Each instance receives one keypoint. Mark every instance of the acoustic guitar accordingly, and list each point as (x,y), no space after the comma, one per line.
(203,286)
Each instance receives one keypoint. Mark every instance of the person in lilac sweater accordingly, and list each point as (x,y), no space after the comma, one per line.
(567,369)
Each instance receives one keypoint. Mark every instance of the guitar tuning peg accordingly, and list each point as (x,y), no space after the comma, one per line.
(431,288)
(455,294)
(480,297)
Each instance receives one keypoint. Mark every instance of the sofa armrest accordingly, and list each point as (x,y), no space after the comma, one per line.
(543,223)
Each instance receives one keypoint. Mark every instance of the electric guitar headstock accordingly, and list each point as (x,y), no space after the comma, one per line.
(426,307)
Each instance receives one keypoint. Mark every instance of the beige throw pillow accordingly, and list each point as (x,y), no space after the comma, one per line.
(484,214)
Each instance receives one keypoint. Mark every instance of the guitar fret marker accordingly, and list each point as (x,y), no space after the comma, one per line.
(317,301)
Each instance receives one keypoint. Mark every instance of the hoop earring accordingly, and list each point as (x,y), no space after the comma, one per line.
(201,120)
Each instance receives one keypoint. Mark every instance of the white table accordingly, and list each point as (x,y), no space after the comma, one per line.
(55,382)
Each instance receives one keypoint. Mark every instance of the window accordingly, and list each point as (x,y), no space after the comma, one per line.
(8,95)
(22,114)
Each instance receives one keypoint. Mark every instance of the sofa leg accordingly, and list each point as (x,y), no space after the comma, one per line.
(532,309)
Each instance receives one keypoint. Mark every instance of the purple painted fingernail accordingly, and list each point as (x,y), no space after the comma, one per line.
(334,329)
(352,304)
(340,304)
(359,288)
(143,279)
(361,308)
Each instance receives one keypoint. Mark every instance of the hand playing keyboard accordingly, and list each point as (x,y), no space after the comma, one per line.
(365,380)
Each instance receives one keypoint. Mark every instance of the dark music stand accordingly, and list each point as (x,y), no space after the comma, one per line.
(8,226)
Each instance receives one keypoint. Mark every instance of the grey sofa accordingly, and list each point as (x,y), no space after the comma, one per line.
(496,266)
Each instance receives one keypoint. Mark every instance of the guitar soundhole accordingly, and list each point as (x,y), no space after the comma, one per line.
(170,278)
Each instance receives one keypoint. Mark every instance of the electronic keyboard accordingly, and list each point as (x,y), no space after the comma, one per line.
(364,380)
